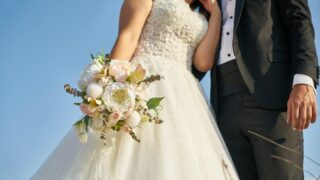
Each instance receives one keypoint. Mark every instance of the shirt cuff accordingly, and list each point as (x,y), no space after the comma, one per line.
(303,79)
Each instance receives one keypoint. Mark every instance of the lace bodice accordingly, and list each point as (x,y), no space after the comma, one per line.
(171,33)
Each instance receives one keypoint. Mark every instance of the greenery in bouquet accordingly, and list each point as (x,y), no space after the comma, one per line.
(112,93)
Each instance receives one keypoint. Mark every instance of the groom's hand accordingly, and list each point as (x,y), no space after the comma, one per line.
(302,107)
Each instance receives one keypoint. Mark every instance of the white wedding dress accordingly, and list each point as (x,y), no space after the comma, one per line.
(187,146)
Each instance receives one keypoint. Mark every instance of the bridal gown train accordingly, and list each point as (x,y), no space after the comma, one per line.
(187,146)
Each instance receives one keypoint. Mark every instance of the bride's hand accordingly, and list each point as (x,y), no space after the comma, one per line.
(211,6)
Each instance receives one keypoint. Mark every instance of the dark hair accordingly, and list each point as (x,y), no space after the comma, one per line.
(196,5)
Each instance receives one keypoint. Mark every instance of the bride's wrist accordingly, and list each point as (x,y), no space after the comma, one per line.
(215,12)
(215,16)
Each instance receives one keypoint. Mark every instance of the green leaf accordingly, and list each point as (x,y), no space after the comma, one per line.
(92,56)
(118,126)
(85,119)
(78,122)
(77,104)
(154,102)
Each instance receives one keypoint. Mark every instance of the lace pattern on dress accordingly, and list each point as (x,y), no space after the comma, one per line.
(171,33)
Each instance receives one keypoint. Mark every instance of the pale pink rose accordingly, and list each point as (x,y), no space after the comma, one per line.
(119,70)
(114,118)
(128,113)
(125,128)
(85,108)
(105,81)
(121,77)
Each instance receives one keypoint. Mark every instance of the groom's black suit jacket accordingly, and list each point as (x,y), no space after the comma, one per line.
(273,41)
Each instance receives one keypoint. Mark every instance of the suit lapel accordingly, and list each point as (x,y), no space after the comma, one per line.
(238,12)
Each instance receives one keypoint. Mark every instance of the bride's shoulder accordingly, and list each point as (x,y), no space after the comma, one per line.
(131,7)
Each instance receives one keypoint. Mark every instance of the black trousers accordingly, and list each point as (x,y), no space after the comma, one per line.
(238,113)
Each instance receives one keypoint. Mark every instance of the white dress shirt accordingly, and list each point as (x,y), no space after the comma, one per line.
(227,53)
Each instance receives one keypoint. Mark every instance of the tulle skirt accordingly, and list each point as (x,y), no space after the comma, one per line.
(187,146)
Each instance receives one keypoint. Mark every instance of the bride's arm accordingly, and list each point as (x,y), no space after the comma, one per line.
(205,53)
(132,18)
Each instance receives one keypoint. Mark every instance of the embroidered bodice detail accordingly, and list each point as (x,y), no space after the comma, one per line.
(171,33)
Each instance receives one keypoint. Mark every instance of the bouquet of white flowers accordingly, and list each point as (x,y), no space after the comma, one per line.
(111,92)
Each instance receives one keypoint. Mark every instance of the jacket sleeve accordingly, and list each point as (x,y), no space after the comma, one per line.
(297,18)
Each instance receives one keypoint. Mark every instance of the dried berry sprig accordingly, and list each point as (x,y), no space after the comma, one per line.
(151,79)
(133,135)
(73,91)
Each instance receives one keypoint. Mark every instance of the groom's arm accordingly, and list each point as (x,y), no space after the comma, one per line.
(302,107)
(297,18)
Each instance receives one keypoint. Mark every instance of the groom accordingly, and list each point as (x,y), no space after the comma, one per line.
(264,81)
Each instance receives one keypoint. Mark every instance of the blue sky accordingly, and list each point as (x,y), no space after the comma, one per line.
(45,44)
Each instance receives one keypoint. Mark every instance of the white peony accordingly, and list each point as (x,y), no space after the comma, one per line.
(118,97)
(134,119)
(87,75)
(104,81)
(114,118)
(94,90)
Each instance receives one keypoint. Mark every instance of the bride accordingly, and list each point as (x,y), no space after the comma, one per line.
(165,37)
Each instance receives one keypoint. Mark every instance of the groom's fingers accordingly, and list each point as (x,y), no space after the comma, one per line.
(314,109)
(314,112)
(295,116)
(302,107)
(289,113)
(309,117)
(302,117)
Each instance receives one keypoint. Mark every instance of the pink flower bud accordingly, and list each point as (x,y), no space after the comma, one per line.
(87,110)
